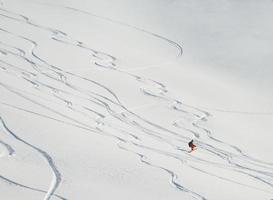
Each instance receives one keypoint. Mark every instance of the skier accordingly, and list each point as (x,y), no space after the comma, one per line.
(192,146)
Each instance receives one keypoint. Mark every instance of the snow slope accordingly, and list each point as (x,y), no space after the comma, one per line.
(100,98)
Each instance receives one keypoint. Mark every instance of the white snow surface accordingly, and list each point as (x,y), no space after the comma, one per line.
(100,98)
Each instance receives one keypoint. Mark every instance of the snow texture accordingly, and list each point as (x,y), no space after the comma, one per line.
(99,99)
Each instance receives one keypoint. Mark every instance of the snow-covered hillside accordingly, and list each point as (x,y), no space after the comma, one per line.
(99,99)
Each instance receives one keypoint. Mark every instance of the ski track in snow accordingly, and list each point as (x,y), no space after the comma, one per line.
(57,90)
(56,174)
(10,150)
(27,187)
